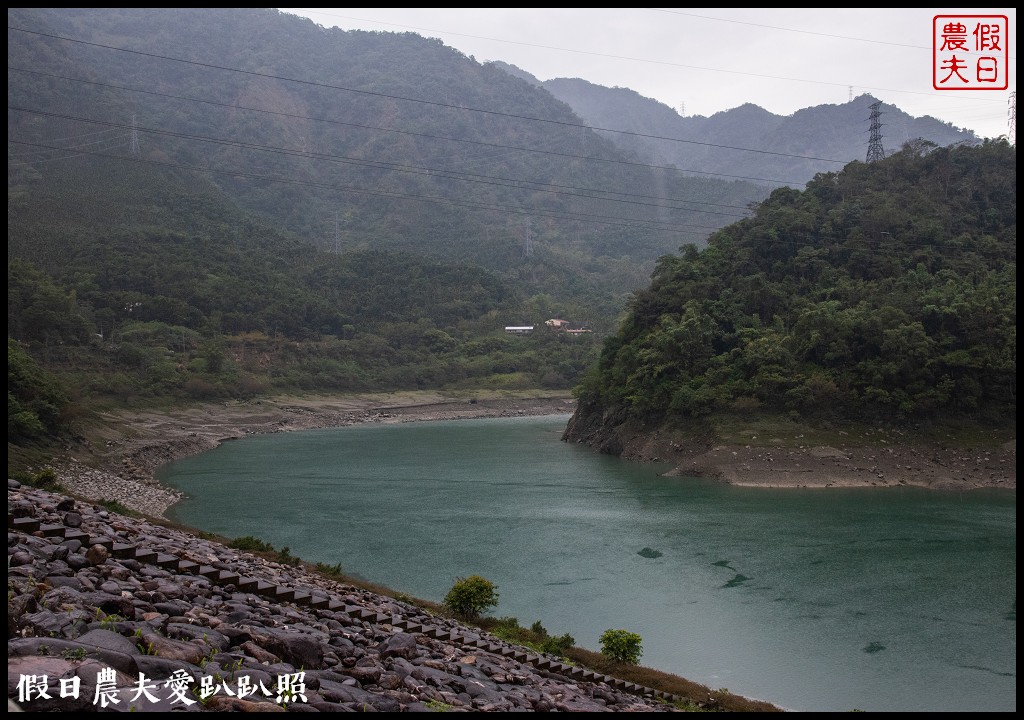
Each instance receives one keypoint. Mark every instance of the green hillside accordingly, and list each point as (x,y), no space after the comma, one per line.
(886,291)
(228,202)
(357,140)
(128,286)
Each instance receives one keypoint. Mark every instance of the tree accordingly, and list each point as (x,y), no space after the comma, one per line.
(622,646)
(471,596)
(37,404)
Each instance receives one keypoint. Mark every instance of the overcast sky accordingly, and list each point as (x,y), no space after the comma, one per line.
(706,60)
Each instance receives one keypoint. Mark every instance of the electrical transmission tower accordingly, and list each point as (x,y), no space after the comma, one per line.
(337,233)
(135,137)
(1013,117)
(527,240)
(875,151)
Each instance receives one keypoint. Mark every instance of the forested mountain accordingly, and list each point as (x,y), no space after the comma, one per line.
(357,140)
(885,291)
(797,146)
(222,202)
(118,298)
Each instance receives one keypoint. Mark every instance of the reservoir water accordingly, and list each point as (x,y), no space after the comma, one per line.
(882,599)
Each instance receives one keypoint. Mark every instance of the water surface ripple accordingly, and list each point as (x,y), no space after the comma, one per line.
(882,599)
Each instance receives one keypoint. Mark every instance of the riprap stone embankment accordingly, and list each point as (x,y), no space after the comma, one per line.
(98,600)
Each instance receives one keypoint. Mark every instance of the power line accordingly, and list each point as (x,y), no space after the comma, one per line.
(814,240)
(482,143)
(112,141)
(600,219)
(533,186)
(659,62)
(792,30)
(313,83)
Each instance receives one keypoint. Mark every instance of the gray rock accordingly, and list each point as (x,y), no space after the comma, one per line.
(361,699)
(77,561)
(110,604)
(109,640)
(295,648)
(19,558)
(60,552)
(368,675)
(48,623)
(399,645)
(208,636)
(97,555)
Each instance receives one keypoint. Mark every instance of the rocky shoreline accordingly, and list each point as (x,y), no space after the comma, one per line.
(74,604)
(108,612)
(870,458)
(119,460)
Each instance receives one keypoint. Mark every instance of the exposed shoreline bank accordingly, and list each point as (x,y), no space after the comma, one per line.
(124,452)
(128,446)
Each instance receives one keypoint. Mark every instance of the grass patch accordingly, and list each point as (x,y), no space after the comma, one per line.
(331,572)
(116,507)
(249,543)
(536,637)
(694,694)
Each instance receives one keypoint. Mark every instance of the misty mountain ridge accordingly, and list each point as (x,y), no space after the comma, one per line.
(356,140)
(830,131)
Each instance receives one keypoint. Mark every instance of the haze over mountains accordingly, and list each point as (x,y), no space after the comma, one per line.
(356,140)
(392,141)
(232,171)
(795,147)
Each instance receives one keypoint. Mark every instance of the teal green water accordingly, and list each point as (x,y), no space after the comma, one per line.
(896,599)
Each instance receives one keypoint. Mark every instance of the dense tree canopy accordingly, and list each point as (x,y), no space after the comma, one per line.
(887,289)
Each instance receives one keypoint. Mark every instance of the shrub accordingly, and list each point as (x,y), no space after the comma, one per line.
(622,646)
(331,571)
(251,544)
(285,557)
(199,387)
(119,508)
(471,596)
(45,479)
(558,644)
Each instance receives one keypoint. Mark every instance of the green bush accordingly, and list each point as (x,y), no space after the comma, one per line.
(331,571)
(471,596)
(285,557)
(558,644)
(251,544)
(622,646)
(45,479)
(119,508)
